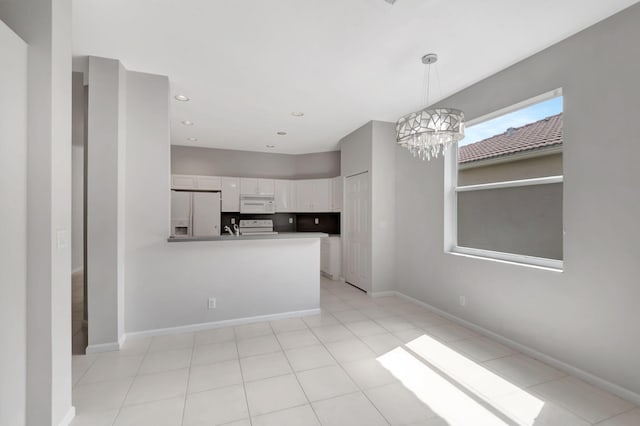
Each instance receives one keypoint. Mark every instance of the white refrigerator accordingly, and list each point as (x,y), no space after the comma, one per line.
(195,214)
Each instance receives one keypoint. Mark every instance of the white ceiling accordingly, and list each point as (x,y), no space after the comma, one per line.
(247,64)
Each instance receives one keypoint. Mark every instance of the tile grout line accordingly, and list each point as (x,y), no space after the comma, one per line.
(186,390)
(244,387)
(360,390)
(616,415)
(146,352)
(293,371)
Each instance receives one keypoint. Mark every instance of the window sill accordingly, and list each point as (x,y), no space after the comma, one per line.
(552,265)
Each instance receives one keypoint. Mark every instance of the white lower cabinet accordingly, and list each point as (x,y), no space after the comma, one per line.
(330,257)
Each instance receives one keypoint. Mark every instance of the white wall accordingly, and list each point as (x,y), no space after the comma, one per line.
(13,225)
(46,26)
(168,284)
(105,201)
(585,316)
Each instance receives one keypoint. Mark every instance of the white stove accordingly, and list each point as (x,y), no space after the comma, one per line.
(257,227)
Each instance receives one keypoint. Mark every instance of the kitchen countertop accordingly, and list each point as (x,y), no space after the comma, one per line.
(279,236)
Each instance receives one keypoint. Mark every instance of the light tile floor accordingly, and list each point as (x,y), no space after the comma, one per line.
(362,361)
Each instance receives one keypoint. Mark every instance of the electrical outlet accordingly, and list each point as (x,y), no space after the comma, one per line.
(290,220)
(212,303)
(463,301)
(233,220)
(317,221)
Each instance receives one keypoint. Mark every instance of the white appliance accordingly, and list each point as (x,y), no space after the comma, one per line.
(257,204)
(257,227)
(195,214)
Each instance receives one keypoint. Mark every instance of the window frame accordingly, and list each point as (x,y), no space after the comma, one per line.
(452,189)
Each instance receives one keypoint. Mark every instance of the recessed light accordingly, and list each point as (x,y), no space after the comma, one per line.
(270,146)
(298,114)
(281,133)
(181,98)
(188,123)
(192,139)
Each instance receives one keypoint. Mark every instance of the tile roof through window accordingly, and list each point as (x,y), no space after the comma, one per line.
(538,135)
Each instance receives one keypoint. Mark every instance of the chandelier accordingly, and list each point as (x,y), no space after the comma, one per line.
(431,131)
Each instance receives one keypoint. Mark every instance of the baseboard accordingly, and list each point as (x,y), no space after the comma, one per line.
(66,421)
(383,294)
(121,340)
(103,347)
(560,365)
(217,324)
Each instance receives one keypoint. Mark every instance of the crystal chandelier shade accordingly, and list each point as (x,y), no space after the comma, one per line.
(431,131)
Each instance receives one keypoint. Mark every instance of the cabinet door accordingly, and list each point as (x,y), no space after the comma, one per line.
(304,194)
(266,187)
(209,183)
(325,256)
(284,190)
(321,195)
(336,194)
(230,194)
(184,182)
(249,186)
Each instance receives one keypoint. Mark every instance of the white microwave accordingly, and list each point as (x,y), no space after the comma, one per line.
(257,204)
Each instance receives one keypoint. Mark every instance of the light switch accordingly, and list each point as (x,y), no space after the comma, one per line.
(317,221)
(290,220)
(233,220)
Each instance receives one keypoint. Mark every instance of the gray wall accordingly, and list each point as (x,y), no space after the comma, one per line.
(525,220)
(77,173)
(105,205)
(383,206)
(372,148)
(13,223)
(586,315)
(46,26)
(223,162)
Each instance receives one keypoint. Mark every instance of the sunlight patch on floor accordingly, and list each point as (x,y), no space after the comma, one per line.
(451,403)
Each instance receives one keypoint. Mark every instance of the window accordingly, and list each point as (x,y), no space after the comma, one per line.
(505,185)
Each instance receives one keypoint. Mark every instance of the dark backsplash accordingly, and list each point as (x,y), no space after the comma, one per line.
(302,222)
(327,222)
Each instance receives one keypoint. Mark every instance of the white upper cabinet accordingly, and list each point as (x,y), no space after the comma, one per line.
(209,183)
(336,194)
(304,196)
(249,186)
(321,195)
(206,183)
(230,194)
(266,187)
(313,195)
(285,194)
(255,186)
(184,182)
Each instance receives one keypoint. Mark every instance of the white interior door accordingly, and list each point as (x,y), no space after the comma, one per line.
(206,214)
(357,211)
